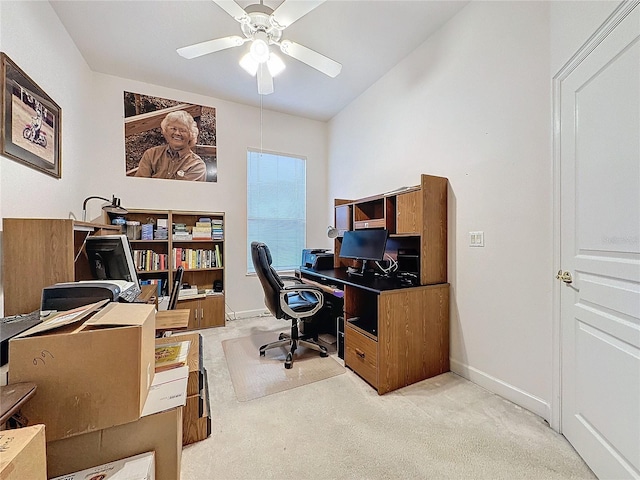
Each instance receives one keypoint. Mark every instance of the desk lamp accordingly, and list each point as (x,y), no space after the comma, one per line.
(113,207)
(332,232)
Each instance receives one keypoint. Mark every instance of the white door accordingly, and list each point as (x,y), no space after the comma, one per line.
(599,134)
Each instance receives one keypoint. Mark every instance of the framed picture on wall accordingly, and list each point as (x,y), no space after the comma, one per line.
(168,139)
(30,132)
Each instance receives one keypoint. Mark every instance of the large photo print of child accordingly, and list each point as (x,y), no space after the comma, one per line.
(168,139)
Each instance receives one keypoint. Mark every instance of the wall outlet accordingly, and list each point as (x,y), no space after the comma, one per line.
(476,239)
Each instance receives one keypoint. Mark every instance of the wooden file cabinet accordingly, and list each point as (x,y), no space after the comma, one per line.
(403,340)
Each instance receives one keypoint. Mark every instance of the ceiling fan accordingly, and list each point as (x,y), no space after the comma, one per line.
(263,27)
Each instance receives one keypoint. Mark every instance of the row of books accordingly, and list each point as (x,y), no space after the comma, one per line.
(204,229)
(217,232)
(148,260)
(189,258)
(161,283)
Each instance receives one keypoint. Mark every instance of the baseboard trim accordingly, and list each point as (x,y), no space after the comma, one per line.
(495,385)
(247,314)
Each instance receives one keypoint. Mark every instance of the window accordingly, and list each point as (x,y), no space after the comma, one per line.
(276,207)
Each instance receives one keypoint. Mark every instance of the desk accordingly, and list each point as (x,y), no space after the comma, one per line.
(167,320)
(393,336)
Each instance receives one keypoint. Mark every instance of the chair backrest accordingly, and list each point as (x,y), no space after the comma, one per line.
(269,278)
(177,283)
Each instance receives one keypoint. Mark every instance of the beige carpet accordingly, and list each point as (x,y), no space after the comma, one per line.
(254,376)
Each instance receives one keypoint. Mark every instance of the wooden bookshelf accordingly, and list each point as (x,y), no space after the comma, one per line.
(201,258)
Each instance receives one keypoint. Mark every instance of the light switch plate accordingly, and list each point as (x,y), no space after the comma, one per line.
(476,239)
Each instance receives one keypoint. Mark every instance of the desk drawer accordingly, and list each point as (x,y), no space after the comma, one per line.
(361,355)
(373,223)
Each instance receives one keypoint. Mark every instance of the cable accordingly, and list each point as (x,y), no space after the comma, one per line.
(393,265)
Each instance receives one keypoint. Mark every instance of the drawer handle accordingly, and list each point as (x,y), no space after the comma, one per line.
(360,353)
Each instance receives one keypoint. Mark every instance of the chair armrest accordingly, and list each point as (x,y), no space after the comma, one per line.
(287,278)
(315,291)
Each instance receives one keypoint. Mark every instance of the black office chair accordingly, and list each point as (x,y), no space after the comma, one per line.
(298,303)
(177,283)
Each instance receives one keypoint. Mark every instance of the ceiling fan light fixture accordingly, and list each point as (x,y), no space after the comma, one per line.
(259,47)
(249,64)
(275,65)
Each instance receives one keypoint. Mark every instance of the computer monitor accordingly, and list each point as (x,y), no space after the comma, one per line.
(364,245)
(110,258)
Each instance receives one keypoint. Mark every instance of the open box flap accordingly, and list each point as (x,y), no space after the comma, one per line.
(121,314)
(62,319)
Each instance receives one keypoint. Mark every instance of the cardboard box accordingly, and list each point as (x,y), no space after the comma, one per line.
(168,390)
(194,384)
(91,374)
(22,454)
(161,433)
(138,467)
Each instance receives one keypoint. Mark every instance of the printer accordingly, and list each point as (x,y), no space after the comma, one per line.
(65,296)
(317,259)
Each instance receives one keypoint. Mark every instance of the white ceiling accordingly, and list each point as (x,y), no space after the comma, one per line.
(138,40)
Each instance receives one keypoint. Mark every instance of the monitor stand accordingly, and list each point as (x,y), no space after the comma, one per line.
(361,272)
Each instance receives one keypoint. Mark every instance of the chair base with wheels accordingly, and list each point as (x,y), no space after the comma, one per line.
(293,340)
(297,302)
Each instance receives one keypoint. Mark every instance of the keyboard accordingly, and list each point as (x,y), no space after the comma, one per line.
(129,295)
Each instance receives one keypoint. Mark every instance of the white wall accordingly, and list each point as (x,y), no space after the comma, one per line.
(93,147)
(34,39)
(473,104)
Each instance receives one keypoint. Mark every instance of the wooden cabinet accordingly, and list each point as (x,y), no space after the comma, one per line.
(402,338)
(343,217)
(409,213)
(190,243)
(37,253)
(206,311)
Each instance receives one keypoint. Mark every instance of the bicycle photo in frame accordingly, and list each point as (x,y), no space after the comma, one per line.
(30,131)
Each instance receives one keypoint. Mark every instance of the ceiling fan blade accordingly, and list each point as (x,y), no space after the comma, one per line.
(233,9)
(311,57)
(211,46)
(265,80)
(291,10)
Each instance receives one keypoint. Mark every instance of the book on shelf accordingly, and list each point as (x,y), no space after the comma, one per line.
(218,257)
(161,233)
(181,237)
(171,355)
(201,233)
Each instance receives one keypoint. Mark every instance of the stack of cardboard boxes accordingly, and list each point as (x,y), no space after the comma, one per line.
(97,391)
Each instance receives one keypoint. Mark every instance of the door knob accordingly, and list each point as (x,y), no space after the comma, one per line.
(564,276)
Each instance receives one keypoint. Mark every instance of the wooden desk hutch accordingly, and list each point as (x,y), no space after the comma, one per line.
(395,336)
